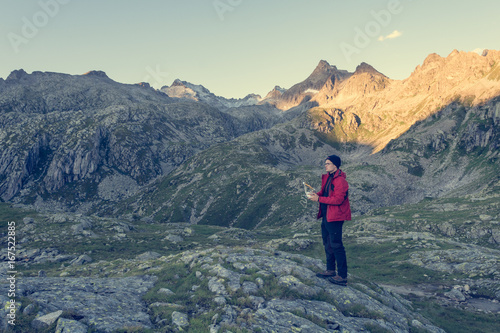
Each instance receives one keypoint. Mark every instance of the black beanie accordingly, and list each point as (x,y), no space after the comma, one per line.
(335,160)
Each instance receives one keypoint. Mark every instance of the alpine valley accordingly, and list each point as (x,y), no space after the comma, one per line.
(169,210)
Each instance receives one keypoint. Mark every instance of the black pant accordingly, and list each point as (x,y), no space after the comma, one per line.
(334,248)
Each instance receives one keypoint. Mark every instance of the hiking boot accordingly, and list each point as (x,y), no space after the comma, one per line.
(326,274)
(337,279)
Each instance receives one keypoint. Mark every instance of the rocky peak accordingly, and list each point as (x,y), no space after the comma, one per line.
(459,63)
(17,75)
(97,74)
(250,96)
(431,58)
(453,75)
(196,88)
(366,68)
(178,83)
(324,69)
(197,92)
(323,66)
(302,92)
(144,84)
(275,93)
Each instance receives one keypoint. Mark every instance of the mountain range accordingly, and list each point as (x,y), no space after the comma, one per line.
(176,209)
(81,140)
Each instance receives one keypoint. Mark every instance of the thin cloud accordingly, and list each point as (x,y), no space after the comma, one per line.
(392,35)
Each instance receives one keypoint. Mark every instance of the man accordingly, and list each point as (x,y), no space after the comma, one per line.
(334,208)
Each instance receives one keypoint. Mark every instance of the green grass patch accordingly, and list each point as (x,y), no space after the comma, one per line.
(359,310)
(201,322)
(311,318)
(374,328)
(9,213)
(375,262)
(457,321)
(272,289)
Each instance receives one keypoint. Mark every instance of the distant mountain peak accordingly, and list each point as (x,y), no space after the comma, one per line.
(197,92)
(322,68)
(275,93)
(97,73)
(144,84)
(178,82)
(431,58)
(16,74)
(323,64)
(366,68)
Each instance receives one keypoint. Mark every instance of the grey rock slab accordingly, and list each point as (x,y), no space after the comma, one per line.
(256,301)
(294,283)
(221,300)
(229,315)
(46,320)
(150,255)
(456,295)
(174,239)
(107,303)
(426,327)
(216,286)
(280,264)
(233,277)
(180,319)
(29,309)
(165,291)
(347,298)
(328,314)
(70,326)
(250,288)
(81,260)
(270,320)
(478,260)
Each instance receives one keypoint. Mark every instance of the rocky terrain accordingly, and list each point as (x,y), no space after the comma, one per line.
(384,109)
(454,153)
(77,141)
(303,91)
(107,274)
(85,139)
(139,210)
(186,90)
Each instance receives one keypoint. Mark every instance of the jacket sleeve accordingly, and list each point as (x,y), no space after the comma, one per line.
(339,193)
(320,193)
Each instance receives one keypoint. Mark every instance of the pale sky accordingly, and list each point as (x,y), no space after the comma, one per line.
(237,47)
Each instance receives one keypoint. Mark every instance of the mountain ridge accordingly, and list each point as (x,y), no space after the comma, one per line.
(196,216)
(184,89)
(350,108)
(387,108)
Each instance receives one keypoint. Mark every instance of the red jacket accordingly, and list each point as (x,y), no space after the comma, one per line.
(338,208)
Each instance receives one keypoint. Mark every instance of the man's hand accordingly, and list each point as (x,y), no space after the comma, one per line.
(313,197)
